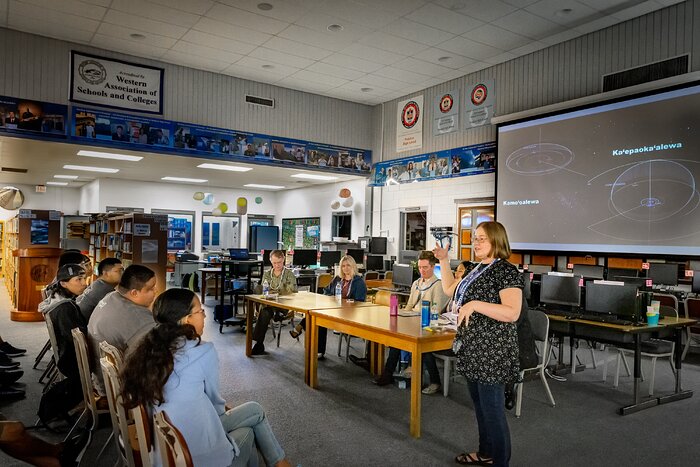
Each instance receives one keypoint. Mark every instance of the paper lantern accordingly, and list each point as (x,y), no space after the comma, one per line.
(198,195)
(335,204)
(344,193)
(347,202)
(216,212)
(258,200)
(208,199)
(223,206)
(241,206)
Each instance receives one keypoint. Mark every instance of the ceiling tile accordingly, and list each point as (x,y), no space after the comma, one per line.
(411,30)
(391,43)
(637,10)
(561,37)
(496,37)
(604,5)
(315,38)
(316,77)
(198,8)
(529,48)
(104,3)
(241,34)
(553,10)
(246,19)
(297,48)
(356,87)
(374,81)
(59,30)
(129,47)
(358,13)
(225,57)
(520,3)
(444,19)
(145,25)
(155,12)
(304,84)
(597,24)
(333,70)
(354,63)
(529,25)
(279,70)
(70,7)
(273,56)
(121,32)
(194,61)
(373,54)
(669,2)
(469,48)
(253,74)
(433,55)
(411,76)
(476,66)
(422,67)
(399,7)
(496,59)
(287,11)
(217,42)
(484,10)
(58,18)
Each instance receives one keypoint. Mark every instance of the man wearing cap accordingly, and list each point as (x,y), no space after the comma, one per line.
(123,316)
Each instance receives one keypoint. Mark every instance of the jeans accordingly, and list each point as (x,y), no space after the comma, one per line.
(247,425)
(494,435)
(322,333)
(428,361)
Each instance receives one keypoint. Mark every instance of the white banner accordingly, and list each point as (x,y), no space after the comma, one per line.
(481,100)
(115,83)
(446,113)
(409,124)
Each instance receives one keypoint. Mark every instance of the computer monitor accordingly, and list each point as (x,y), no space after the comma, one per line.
(539,268)
(663,273)
(622,272)
(375,263)
(304,258)
(696,282)
(330,258)
(560,290)
(402,275)
(238,253)
(357,254)
(377,245)
(437,271)
(639,282)
(589,271)
(407,256)
(611,299)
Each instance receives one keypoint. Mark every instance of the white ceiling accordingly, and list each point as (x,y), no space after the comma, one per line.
(386,48)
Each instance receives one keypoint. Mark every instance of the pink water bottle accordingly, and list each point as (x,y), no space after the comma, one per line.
(394,305)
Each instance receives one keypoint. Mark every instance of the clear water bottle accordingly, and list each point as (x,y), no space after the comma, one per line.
(266,288)
(434,315)
(338,291)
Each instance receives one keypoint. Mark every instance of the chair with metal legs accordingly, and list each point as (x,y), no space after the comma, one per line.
(540,330)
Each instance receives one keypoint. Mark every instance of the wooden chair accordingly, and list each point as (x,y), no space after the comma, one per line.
(389,275)
(173,448)
(54,374)
(382,297)
(371,275)
(322,281)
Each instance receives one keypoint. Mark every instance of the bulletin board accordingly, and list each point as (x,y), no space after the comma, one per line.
(301,232)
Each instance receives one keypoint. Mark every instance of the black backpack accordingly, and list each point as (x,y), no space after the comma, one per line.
(526,340)
(190,281)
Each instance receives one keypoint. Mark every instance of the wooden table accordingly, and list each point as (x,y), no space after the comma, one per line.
(374,324)
(376,283)
(302,302)
(203,288)
(669,328)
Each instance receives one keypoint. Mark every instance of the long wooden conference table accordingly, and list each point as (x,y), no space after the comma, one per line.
(361,319)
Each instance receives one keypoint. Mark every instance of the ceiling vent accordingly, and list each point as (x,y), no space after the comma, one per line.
(261,101)
(646,73)
(15,170)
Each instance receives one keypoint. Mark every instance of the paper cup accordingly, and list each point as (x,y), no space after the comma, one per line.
(652,319)
(656,304)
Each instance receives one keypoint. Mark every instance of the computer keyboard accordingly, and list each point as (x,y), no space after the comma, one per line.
(555,312)
(606,319)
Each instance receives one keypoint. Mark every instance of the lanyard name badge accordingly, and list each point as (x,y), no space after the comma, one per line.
(469,279)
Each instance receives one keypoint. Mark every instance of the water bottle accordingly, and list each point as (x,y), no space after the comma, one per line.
(338,291)
(425,313)
(266,288)
(434,315)
(394,305)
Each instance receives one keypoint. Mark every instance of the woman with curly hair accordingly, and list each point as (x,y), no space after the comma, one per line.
(172,370)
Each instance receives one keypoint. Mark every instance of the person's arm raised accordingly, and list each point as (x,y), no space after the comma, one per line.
(448,279)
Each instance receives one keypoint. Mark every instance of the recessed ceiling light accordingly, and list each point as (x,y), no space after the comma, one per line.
(444,59)
(91,169)
(264,187)
(183,179)
(137,36)
(314,177)
(268,67)
(265,6)
(335,27)
(366,89)
(230,168)
(66,177)
(563,12)
(57,183)
(110,155)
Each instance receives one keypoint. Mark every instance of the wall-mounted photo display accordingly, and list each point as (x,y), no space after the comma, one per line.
(34,117)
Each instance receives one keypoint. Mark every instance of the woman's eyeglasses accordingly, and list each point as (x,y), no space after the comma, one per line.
(480,239)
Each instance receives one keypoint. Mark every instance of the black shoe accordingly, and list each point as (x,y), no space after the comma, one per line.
(259,349)
(73,447)
(321,357)
(11,351)
(6,363)
(361,362)
(383,380)
(10,393)
(8,377)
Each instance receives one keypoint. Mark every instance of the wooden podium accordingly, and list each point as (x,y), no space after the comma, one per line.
(36,268)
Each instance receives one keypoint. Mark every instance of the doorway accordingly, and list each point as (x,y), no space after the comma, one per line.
(220,232)
(469,219)
(413,230)
(341,225)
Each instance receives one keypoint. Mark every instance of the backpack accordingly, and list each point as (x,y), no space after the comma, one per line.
(190,281)
(58,399)
(526,340)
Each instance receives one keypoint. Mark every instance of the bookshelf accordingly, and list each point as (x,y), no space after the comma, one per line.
(134,238)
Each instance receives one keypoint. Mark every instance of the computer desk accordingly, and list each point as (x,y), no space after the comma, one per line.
(626,335)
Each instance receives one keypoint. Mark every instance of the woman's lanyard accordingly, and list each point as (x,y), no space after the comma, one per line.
(469,279)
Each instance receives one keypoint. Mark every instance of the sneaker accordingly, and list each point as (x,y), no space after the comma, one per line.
(383,380)
(406,373)
(8,377)
(431,389)
(6,363)
(259,349)
(11,393)
(11,351)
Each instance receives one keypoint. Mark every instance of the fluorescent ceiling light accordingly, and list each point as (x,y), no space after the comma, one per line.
(230,168)
(314,176)
(109,155)
(57,183)
(183,179)
(91,169)
(66,177)
(264,187)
